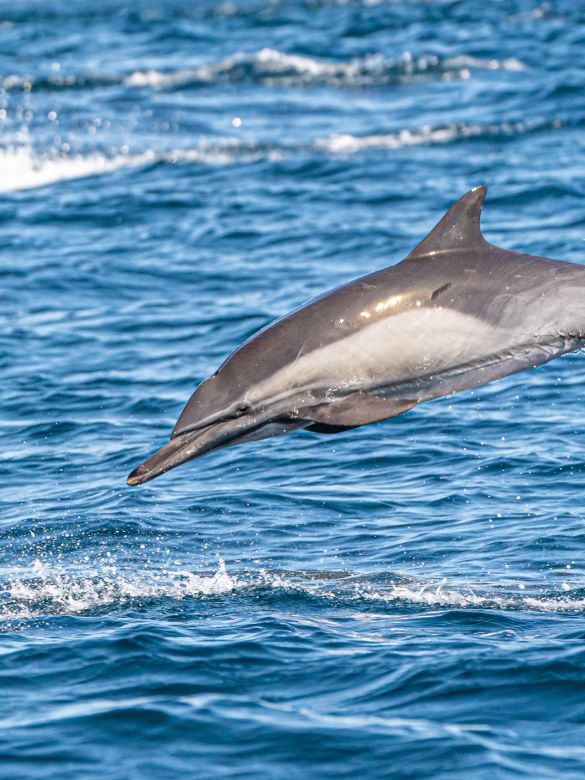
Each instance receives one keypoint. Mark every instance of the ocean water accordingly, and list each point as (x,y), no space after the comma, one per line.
(402,601)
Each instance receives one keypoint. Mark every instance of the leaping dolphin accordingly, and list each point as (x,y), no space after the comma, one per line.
(456,313)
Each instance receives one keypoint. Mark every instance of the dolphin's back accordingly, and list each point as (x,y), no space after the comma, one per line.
(425,314)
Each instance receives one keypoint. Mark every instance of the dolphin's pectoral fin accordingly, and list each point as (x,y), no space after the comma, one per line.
(329,429)
(355,410)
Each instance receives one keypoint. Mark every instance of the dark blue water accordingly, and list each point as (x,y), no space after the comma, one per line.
(403,601)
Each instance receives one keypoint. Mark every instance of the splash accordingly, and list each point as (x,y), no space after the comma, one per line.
(54,591)
(444,595)
(406,591)
(46,590)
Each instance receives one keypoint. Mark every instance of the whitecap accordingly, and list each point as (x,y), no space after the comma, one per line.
(351,144)
(269,66)
(274,67)
(346,143)
(24,169)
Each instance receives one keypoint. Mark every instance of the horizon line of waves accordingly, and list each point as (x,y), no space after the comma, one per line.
(56,591)
(273,67)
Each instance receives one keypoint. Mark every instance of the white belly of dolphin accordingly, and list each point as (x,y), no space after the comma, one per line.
(395,349)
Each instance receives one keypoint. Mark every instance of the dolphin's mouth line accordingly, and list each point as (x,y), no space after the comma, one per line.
(226,416)
(190,444)
(227,431)
(171,454)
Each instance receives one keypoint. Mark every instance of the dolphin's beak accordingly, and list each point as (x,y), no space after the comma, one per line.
(188,446)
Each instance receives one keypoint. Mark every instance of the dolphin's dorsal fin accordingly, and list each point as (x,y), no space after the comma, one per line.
(458,229)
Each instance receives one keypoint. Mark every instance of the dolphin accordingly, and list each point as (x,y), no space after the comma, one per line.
(456,313)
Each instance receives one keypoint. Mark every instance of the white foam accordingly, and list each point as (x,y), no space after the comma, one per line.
(350,144)
(272,66)
(46,590)
(426,135)
(53,591)
(22,169)
(479,63)
(443,595)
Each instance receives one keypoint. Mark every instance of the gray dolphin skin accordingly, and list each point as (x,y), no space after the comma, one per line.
(456,313)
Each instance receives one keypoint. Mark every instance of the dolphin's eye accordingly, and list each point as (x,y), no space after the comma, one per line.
(242,408)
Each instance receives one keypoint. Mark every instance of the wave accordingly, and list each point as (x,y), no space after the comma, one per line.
(56,592)
(23,168)
(427,135)
(271,67)
(276,68)
(442,595)
(16,82)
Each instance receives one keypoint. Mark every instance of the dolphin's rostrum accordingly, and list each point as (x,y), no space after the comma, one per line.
(456,313)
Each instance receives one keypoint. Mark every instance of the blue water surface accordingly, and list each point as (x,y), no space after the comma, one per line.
(401,601)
